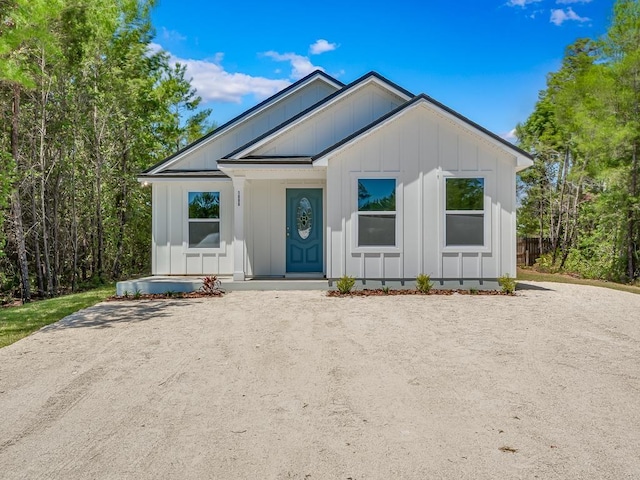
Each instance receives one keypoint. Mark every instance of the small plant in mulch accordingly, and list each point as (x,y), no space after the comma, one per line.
(424,283)
(378,292)
(507,283)
(211,286)
(345,284)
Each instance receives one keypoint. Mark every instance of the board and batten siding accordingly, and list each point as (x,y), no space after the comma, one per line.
(170,252)
(206,157)
(419,148)
(336,121)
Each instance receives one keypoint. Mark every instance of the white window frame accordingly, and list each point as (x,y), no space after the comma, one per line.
(355,213)
(486,212)
(219,220)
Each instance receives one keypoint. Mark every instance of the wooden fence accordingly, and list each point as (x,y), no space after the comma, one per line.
(529,249)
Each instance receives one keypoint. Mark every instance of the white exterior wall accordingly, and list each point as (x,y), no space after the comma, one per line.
(336,122)
(170,252)
(207,156)
(420,148)
(266,224)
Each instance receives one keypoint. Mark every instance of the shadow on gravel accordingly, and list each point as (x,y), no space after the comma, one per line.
(529,286)
(105,314)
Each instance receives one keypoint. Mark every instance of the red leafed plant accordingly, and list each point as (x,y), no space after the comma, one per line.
(211,286)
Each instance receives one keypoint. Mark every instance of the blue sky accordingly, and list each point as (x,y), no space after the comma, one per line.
(487,59)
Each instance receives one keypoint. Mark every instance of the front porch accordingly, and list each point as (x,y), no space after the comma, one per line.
(183,284)
(279,218)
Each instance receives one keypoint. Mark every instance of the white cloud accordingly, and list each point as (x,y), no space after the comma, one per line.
(566,2)
(521,3)
(559,16)
(214,83)
(300,65)
(172,35)
(154,48)
(510,136)
(321,46)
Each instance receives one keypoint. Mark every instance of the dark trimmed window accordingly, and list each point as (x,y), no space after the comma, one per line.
(464,216)
(376,212)
(204,220)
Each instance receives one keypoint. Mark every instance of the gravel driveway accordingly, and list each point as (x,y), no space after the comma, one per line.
(296,385)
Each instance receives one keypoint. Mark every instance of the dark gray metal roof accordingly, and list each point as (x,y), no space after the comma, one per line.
(186,174)
(268,160)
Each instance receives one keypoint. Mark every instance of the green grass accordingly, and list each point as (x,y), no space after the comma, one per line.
(532,275)
(18,322)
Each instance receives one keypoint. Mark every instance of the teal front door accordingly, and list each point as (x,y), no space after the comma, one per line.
(304,230)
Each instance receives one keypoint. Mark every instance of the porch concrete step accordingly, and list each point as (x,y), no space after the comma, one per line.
(164,284)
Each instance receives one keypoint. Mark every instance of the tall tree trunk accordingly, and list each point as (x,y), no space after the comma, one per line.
(16,206)
(74,223)
(122,212)
(36,242)
(98,211)
(631,215)
(43,180)
(55,232)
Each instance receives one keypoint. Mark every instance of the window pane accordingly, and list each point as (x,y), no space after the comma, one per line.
(377,230)
(377,195)
(465,229)
(204,234)
(465,193)
(204,204)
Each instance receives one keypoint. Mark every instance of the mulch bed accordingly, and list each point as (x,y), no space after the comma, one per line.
(163,296)
(380,292)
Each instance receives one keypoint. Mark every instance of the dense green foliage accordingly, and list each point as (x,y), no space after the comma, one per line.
(204,205)
(583,191)
(86,103)
(465,194)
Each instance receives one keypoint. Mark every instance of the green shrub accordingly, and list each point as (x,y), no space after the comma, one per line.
(507,283)
(473,291)
(424,283)
(345,284)
(385,290)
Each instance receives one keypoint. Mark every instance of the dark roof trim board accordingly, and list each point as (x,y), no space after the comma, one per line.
(321,103)
(209,174)
(244,115)
(413,101)
(268,161)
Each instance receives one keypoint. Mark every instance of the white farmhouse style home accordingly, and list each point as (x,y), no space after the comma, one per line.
(325,179)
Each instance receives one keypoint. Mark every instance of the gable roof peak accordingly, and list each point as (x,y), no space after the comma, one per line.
(244,115)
